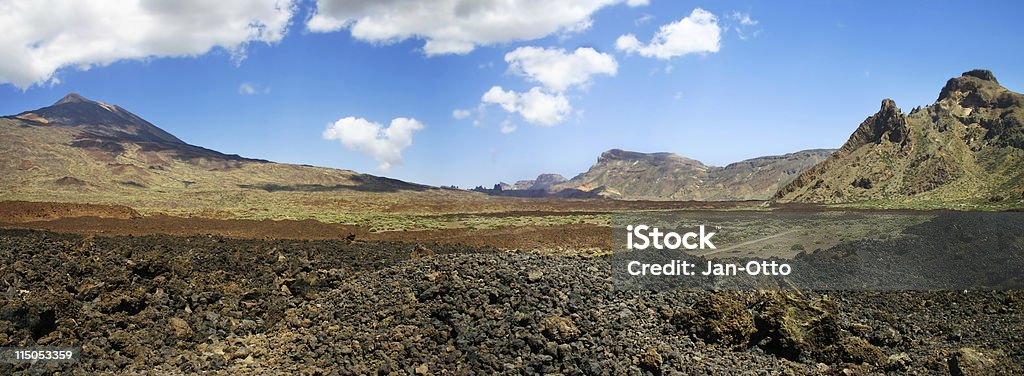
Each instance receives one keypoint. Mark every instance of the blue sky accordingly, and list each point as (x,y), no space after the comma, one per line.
(804,76)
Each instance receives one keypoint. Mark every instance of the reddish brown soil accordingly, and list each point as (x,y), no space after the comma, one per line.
(22,211)
(119,220)
(163,224)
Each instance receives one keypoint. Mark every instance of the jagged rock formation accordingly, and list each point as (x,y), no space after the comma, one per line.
(964,150)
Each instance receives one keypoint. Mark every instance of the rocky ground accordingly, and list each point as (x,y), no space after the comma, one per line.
(176,305)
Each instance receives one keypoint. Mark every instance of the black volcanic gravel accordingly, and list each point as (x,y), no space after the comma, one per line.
(172,305)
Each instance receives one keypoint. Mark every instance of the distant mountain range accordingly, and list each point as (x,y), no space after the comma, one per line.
(965,150)
(631,175)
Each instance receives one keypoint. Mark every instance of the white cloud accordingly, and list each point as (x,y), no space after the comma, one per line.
(536,106)
(506,99)
(697,33)
(40,37)
(454,26)
(460,114)
(507,127)
(558,70)
(383,144)
(637,3)
(247,88)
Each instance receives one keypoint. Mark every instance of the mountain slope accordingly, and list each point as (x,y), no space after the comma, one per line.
(666,176)
(82,148)
(759,178)
(964,150)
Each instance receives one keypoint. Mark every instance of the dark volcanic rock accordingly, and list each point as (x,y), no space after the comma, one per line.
(170,305)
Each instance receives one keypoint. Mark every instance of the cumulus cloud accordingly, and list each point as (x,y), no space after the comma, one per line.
(382,144)
(697,33)
(247,88)
(454,26)
(558,70)
(460,114)
(536,106)
(43,36)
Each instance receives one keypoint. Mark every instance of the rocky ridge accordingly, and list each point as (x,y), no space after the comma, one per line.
(964,150)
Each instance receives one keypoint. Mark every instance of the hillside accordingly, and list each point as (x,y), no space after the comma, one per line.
(86,145)
(79,150)
(965,150)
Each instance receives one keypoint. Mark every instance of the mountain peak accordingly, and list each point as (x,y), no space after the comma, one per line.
(72,98)
(973,88)
(888,123)
(888,107)
(101,119)
(983,74)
